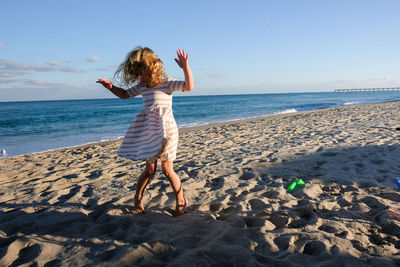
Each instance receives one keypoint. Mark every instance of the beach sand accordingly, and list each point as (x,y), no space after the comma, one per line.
(73,206)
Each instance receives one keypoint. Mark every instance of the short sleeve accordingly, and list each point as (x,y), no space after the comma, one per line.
(134,91)
(175,85)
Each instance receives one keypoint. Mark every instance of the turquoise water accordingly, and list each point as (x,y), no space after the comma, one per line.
(27,127)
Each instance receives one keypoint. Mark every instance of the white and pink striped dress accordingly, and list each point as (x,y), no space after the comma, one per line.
(153,134)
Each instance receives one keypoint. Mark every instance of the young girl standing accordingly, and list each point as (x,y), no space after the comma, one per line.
(153,134)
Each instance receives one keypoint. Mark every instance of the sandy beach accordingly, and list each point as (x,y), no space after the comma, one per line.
(73,206)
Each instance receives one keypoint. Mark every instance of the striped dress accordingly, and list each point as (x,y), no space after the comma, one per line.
(153,134)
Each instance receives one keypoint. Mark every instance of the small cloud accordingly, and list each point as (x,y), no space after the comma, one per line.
(267,23)
(30,83)
(7,81)
(6,74)
(215,75)
(54,63)
(11,73)
(37,82)
(7,66)
(93,59)
(72,70)
(3,46)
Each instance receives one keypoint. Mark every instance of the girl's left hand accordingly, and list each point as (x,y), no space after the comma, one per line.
(182,60)
(106,83)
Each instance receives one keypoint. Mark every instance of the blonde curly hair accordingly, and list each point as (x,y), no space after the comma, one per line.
(141,65)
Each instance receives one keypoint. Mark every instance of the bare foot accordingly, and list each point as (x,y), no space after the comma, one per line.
(180,209)
(139,209)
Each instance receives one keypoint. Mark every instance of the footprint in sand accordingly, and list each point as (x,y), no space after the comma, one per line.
(328,228)
(224,214)
(247,176)
(333,190)
(26,253)
(377,237)
(314,248)
(214,207)
(216,183)
(95,174)
(257,204)
(304,216)
(280,219)
(71,176)
(94,215)
(254,222)
(64,195)
(285,241)
(88,192)
(120,175)
(271,194)
(373,203)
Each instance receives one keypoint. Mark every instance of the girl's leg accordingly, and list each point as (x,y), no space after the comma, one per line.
(142,182)
(181,201)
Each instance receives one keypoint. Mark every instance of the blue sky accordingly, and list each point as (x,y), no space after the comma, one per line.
(58,49)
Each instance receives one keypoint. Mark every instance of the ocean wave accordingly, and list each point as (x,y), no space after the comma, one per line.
(350,103)
(286,111)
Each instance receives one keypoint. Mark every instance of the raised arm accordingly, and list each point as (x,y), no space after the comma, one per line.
(121,93)
(183,63)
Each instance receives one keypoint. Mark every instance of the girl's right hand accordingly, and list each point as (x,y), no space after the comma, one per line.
(182,60)
(106,83)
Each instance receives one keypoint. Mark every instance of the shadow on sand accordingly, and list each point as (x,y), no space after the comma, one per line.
(339,218)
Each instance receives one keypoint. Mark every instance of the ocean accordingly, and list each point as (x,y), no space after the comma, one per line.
(28,127)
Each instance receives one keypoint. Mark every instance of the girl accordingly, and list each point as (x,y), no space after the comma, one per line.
(153,134)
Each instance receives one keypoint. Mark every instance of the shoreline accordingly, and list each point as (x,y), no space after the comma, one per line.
(202,126)
(74,206)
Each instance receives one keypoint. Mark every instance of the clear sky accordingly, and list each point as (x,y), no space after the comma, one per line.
(58,49)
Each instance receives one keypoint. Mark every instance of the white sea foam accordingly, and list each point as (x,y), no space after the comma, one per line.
(286,111)
(350,103)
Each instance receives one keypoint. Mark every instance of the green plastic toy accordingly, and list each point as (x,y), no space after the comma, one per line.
(293,185)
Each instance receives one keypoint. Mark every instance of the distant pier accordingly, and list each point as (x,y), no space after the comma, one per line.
(367,89)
